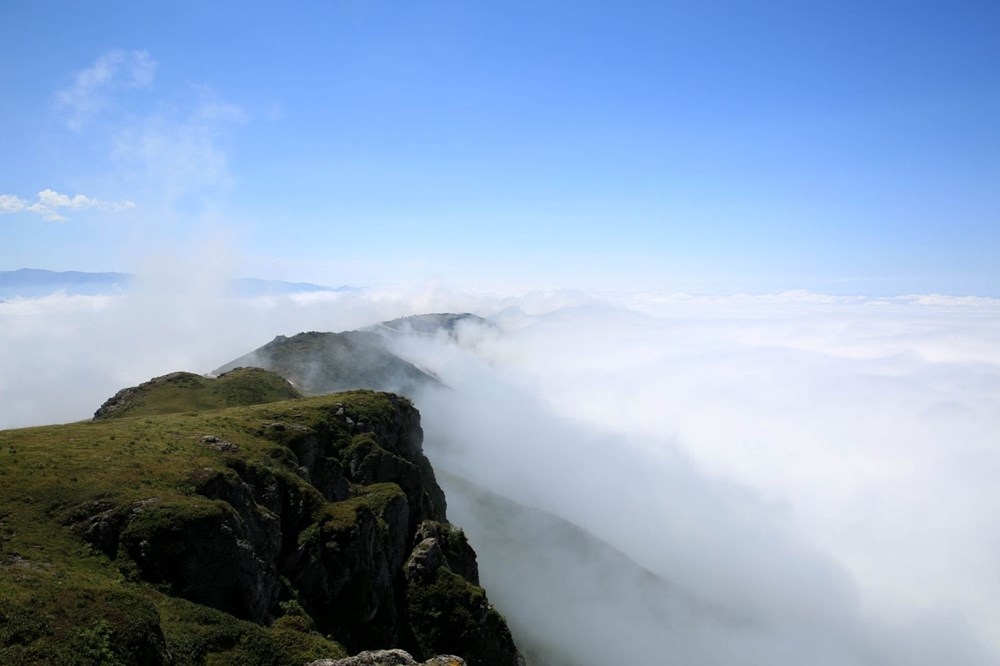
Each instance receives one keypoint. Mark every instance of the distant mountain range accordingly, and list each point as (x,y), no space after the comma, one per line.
(36,282)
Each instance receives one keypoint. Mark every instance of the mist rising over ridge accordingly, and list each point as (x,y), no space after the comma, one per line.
(324,362)
(779,458)
(820,465)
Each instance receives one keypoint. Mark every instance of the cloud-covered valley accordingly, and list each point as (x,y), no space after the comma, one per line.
(807,479)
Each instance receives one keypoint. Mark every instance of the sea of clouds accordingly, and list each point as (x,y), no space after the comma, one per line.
(814,479)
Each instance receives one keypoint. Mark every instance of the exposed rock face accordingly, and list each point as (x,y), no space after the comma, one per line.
(447,613)
(389,658)
(343,516)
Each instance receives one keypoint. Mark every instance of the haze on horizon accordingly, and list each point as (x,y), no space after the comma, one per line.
(741,263)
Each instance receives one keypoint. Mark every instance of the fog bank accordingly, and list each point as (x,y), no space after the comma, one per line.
(820,472)
(808,479)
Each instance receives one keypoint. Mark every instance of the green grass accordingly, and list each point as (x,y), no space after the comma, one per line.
(188,392)
(63,601)
(446,612)
(374,498)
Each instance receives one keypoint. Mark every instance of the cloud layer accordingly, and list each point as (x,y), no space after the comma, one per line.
(816,477)
(824,469)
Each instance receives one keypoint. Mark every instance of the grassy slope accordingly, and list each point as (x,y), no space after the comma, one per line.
(63,602)
(185,391)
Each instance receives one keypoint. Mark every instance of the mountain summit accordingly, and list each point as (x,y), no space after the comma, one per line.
(317,363)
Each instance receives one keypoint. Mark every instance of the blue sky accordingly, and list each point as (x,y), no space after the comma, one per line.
(691,146)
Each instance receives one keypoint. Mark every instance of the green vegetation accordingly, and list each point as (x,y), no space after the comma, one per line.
(452,616)
(197,634)
(448,596)
(374,498)
(75,498)
(188,392)
(42,625)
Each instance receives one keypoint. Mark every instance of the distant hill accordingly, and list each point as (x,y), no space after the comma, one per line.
(35,282)
(429,324)
(188,392)
(317,363)
(249,287)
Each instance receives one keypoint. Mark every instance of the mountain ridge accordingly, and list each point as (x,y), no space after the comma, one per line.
(322,362)
(276,533)
(39,282)
(186,391)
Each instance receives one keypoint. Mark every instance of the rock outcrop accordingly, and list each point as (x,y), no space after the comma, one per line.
(321,512)
(389,658)
(446,612)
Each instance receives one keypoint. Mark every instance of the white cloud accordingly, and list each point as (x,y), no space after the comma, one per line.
(181,150)
(92,87)
(177,156)
(102,344)
(823,468)
(11,204)
(819,474)
(49,203)
(167,149)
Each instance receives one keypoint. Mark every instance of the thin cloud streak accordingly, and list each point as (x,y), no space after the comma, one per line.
(49,204)
(93,87)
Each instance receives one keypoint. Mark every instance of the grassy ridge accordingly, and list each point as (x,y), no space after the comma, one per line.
(62,601)
(186,391)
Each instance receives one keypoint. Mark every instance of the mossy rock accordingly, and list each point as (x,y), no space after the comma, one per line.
(449,615)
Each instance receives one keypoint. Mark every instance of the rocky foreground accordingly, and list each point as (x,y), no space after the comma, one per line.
(284,533)
(389,658)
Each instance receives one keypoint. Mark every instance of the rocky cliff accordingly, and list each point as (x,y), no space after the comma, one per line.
(273,534)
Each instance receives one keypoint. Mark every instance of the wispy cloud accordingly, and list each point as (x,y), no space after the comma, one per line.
(182,151)
(164,144)
(49,204)
(12,204)
(92,87)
